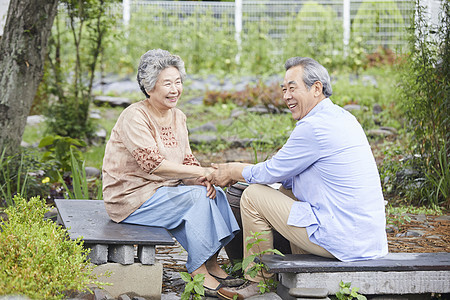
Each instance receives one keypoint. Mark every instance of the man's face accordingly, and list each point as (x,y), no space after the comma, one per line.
(296,95)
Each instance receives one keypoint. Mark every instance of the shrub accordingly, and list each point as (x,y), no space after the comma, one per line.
(375,21)
(426,102)
(38,259)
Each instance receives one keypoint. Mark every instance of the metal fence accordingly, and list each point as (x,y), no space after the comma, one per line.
(375,22)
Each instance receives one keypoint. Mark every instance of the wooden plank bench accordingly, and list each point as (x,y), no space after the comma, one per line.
(311,276)
(125,251)
(108,240)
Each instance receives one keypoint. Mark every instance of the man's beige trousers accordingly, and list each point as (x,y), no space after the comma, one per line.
(263,209)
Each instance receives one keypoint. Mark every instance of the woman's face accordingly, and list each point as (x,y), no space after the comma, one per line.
(167,90)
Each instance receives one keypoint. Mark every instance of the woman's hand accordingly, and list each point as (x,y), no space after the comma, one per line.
(210,190)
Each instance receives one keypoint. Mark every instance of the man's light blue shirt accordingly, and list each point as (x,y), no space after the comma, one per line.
(328,164)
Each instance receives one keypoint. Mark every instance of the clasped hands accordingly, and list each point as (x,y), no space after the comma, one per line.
(222,175)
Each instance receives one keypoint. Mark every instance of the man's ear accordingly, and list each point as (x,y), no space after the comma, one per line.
(318,88)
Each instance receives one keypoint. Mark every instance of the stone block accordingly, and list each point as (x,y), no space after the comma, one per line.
(122,254)
(146,254)
(98,254)
(143,280)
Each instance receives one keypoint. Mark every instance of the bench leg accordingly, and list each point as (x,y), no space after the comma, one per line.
(146,255)
(98,254)
(122,254)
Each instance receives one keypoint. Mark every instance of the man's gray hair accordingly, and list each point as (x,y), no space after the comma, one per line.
(151,65)
(312,72)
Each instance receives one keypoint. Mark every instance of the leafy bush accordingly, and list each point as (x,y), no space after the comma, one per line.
(38,259)
(260,94)
(376,20)
(22,174)
(316,32)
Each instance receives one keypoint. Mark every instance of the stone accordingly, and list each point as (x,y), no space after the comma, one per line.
(205,127)
(308,293)
(350,107)
(379,132)
(98,254)
(377,109)
(198,139)
(124,297)
(92,172)
(146,254)
(35,120)
(112,101)
(139,279)
(123,254)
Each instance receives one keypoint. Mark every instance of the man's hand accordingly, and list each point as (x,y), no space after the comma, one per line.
(226,174)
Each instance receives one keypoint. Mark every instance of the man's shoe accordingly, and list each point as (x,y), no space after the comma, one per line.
(229,281)
(247,290)
(221,292)
(228,294)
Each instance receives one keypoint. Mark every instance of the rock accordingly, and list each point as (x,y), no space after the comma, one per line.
(266,296)
(198,139)
(377,109)
(379,133)
(205,127)
(92,172)
(124,297)
(350,107)
(35,120)
(196,101)
(99,137)
(112,101)
(95,114)
(235,113)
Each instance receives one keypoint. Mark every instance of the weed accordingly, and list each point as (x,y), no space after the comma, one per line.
(347,293)
(194,286)
(252,267)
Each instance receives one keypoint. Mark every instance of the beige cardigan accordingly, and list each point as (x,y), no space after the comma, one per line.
(135,149)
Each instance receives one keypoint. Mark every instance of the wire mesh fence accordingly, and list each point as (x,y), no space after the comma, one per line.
(375,22)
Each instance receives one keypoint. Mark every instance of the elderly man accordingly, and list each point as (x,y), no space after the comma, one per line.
(330,203)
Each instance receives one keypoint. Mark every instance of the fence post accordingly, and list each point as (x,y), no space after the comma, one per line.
(346,25)
(238,27)
(126,12)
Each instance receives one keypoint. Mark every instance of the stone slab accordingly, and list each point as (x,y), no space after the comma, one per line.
(143,280)
(306,263)
(88,219)
(372,283)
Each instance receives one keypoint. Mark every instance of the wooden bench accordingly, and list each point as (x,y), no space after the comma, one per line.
(310,276)
(124,249)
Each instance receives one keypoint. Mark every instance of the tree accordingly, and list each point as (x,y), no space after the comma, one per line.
(22,55)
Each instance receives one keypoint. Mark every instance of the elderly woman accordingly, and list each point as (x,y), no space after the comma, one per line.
(151,177)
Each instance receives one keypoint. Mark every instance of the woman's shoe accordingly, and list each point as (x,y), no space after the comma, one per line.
(212,292)
(230,281)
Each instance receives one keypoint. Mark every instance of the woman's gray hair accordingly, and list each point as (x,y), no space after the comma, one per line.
(312,72)
(151,65)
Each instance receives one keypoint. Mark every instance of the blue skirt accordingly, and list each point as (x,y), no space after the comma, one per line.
(200,224)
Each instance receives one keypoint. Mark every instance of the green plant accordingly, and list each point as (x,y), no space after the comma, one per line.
(374,21)
(7,178)
(425,100)
(194,286)
(315,32)
(75,48)
(38,259)
(22,174)
(347,293)
(79,180)
(252,267)
(58,151)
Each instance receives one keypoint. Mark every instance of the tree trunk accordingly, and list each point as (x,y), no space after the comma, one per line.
(22,55)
